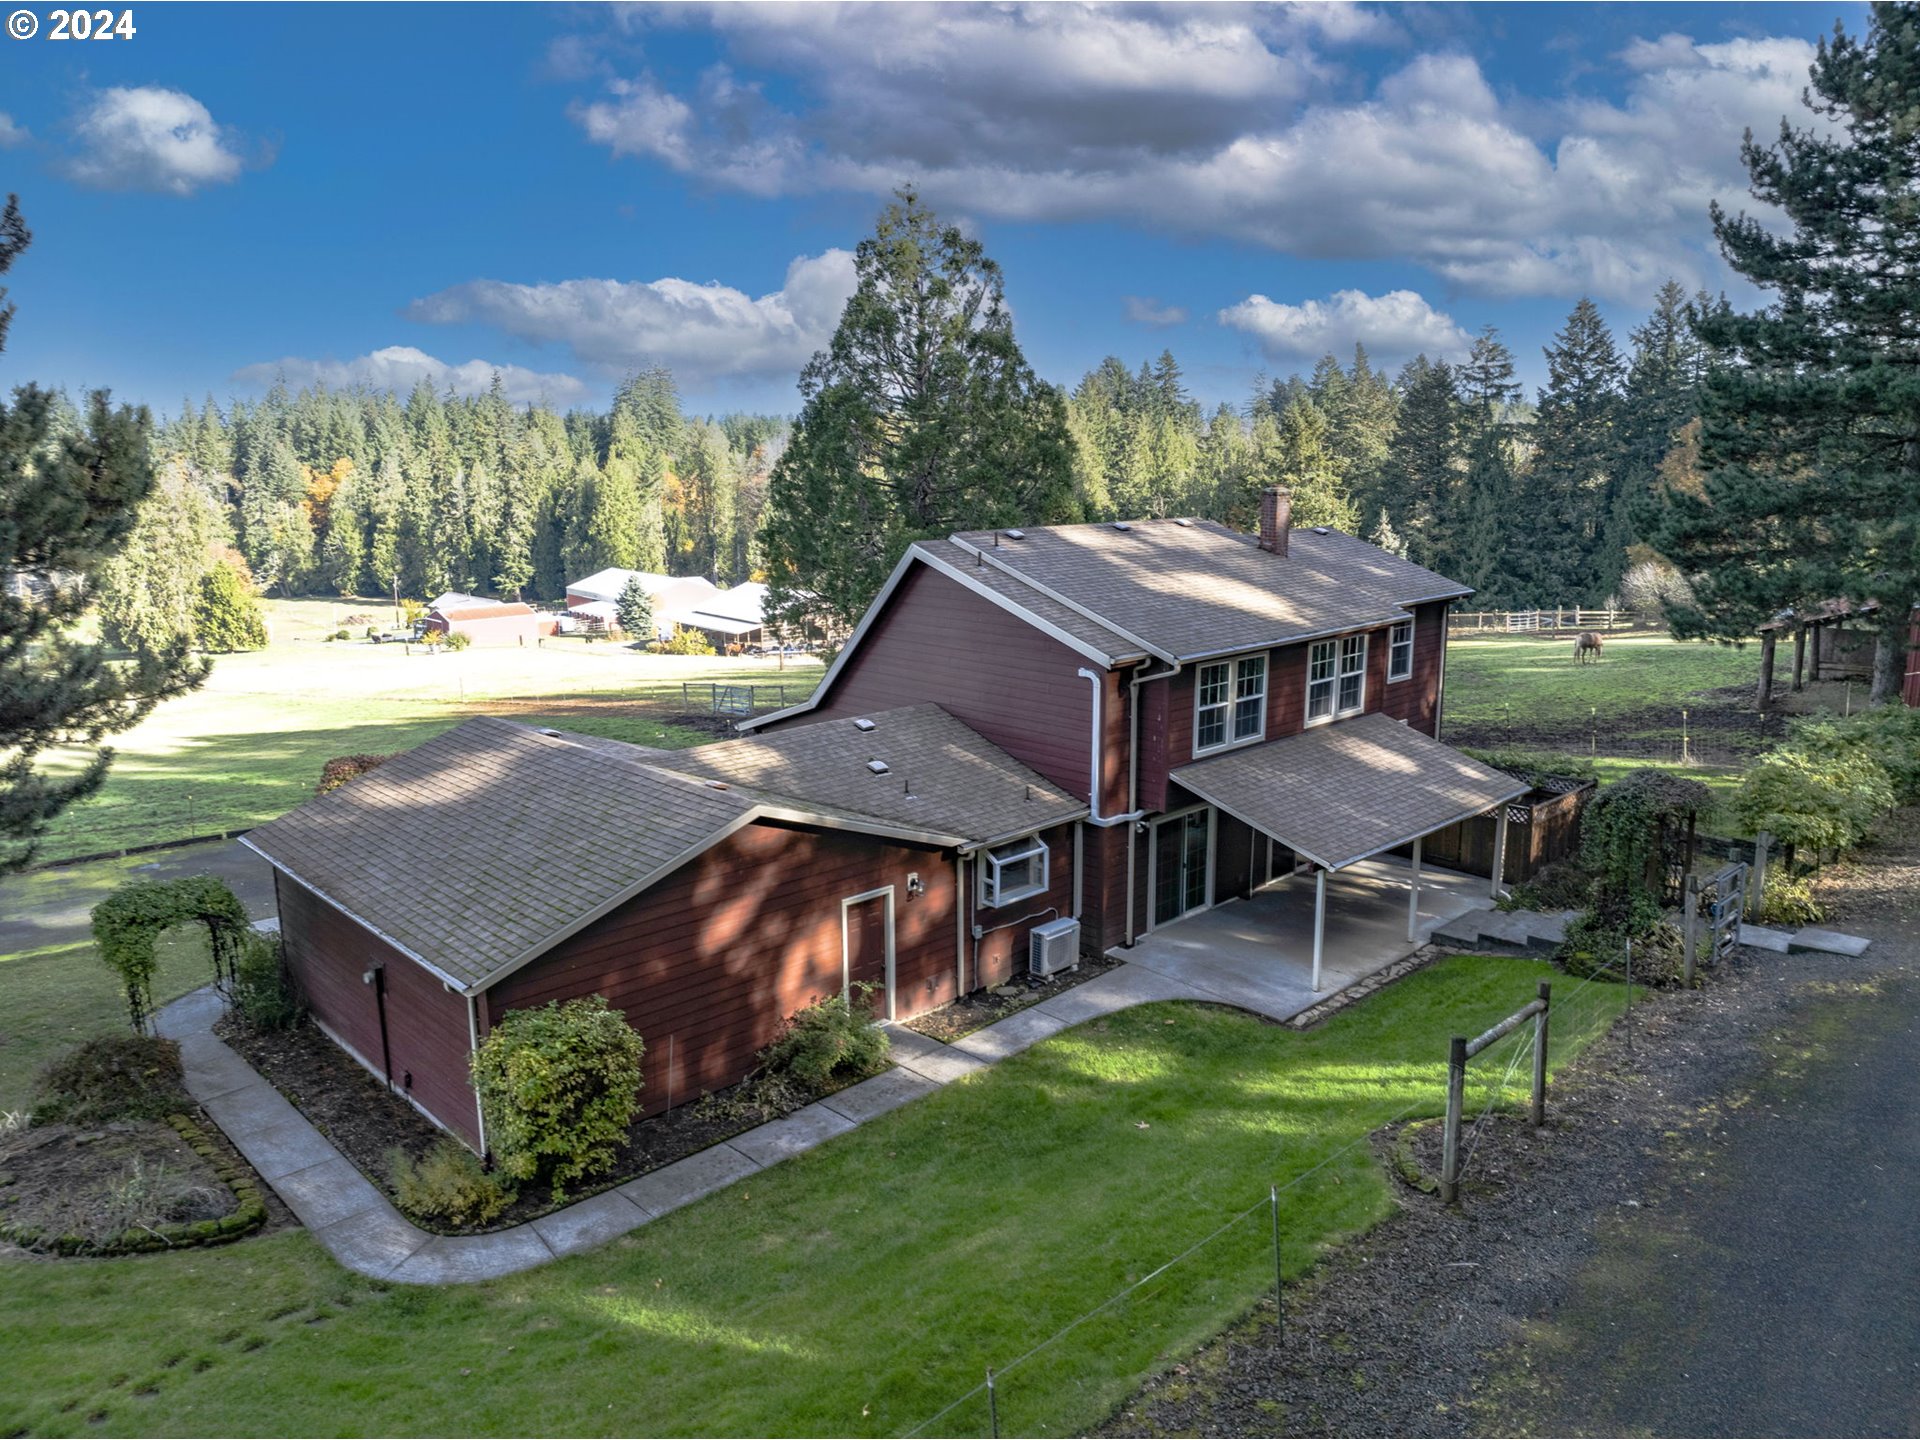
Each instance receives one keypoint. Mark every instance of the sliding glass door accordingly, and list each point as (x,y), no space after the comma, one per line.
(1181,856)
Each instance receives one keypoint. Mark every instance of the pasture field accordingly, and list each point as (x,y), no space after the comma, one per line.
(249,744)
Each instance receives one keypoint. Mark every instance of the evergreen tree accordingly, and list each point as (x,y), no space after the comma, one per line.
(921,417)
(1810,439)
(1361,409)
(1662,396)
(635,611)
(1423,463)
(226,616)
(70,493)
(1386,537)
(1571,484)
(1292,452)
(148,590)
(1474,540)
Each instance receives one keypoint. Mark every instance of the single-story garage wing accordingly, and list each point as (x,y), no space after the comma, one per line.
(708,894)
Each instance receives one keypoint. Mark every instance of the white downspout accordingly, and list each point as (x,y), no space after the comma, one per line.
(473,1047)
(1093,763)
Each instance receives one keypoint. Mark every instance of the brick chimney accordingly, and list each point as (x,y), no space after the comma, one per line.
(1276,519)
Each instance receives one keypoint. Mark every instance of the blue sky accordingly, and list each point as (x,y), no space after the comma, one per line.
(369,193)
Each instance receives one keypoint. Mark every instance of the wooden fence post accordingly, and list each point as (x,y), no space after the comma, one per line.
(1540,1055)
(1757,887)
(1692,927)
(1450,1145)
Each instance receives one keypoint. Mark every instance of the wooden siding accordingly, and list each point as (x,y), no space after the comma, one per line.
(709,962)
(938,641)
(427,1024)
(1416,700)
(1002,954)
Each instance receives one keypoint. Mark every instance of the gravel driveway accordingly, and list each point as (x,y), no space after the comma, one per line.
(1714,1235)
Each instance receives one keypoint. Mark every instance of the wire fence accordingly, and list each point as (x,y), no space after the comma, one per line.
(1236,1251)
(1683,735)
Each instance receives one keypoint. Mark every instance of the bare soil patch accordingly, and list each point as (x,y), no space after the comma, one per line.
(973,1012)
(1722,727)
(1414,1328)
(100,1182)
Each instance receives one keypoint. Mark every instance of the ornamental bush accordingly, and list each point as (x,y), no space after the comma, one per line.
(686,642)
(828,1040)
(457,640)
(1596,944)
(447,1184)
(264,997)
(112,1077)
(342,768)
(559,1086)
(1812,800)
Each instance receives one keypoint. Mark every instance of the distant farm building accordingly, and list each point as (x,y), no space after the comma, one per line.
(726,617)
(490,622)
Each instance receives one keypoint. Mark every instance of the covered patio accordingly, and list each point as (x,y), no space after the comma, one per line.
(1342,799)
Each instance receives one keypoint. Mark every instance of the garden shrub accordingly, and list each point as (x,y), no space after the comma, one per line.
(111,1077)
(559,1086)
(686,642)
(456,640)
(828,1040)
(447,1184)
(1596,944)
(1561,885)
(1620,828)
(1815,799)
(343,635)
(264,997)
(342,768)
(1789,902)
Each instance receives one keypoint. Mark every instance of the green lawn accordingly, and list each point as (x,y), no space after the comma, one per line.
(856,1290)
(249,745)
(1535,682)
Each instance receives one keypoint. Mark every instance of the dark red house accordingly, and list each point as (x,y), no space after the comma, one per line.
(1232,707)
(709,894)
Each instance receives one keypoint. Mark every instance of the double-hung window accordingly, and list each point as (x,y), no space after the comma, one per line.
(1230,702)
(1013,871)
(1336,677)
(1400,651)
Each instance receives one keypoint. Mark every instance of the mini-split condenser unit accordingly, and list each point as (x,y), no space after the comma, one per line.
(1053,947)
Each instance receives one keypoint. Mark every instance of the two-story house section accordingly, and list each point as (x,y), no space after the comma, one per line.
(1233,708)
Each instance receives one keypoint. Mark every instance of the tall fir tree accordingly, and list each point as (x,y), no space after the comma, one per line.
(1571,485)
(920,417)
(1422,465)
(1810,414)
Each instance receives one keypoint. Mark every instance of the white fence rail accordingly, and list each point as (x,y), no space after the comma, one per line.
(1522,622)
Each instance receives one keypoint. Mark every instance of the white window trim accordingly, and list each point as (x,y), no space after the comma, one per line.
(992,897)
(1338,642)
(1406,674)
(1232,703)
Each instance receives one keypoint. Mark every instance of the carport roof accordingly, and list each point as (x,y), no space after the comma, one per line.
(1341,792)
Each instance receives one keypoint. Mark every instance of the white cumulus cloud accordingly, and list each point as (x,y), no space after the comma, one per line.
(149,138)
(11,132)
(701,331)
(1217,122)
(401,367)
(1145,310)
(1396,325)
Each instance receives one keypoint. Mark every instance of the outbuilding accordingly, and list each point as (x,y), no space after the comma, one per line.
(491,622)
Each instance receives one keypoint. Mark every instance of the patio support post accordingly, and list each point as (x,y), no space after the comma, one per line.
(1499,853)
(1319,922)
(1413,894)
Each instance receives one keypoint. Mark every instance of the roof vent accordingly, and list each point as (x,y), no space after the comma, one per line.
(718,785)
(549,733)
(1184,524)
(1122,525)
(1016,534)
(863,723)
(1319,529)
(878,767)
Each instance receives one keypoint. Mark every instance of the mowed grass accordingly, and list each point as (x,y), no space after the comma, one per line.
(1531,682)
(856,1290)
(250,744)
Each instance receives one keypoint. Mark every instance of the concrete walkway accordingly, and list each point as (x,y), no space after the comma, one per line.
(361,1229)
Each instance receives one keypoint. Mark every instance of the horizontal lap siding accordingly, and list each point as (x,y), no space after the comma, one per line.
(1417,700)
(938,641)
(427,1025)
(708,963)
(1003,954)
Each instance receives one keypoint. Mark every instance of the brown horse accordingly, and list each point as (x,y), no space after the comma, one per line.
(1587,645)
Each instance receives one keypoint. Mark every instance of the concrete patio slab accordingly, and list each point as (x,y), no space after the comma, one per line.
(801,1131)
(1116,990)
(886,1091)
(329,1191)
(464,1259)
(582,1226)
(1829,942)
(685,1181)
(1012,1035)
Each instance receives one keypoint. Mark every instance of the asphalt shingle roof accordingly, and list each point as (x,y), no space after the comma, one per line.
(1105,641)
(1190,589)
(1338,793)
(452,849)
(941,776)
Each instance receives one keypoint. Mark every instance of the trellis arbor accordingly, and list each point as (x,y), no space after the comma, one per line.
(129,922)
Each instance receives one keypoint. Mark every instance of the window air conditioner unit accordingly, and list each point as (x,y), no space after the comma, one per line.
(1053,947)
